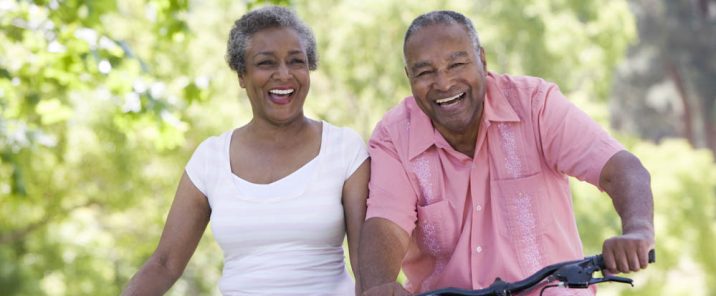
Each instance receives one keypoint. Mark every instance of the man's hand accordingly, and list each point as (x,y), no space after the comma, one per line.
(628,252)
(387,289)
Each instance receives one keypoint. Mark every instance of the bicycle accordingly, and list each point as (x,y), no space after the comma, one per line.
(576,274)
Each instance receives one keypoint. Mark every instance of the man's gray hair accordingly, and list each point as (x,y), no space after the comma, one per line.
(443,17)
(266,18)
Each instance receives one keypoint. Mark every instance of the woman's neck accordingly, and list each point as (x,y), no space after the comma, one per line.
(272,132)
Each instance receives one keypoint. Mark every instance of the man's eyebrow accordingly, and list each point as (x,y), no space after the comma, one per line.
(457,54)
(420,64)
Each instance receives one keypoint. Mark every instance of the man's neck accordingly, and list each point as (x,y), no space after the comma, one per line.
(463,141)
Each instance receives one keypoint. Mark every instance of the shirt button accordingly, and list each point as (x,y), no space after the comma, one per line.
(478,249)
(478,208)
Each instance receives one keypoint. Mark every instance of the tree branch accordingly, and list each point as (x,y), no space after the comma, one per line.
(22,233)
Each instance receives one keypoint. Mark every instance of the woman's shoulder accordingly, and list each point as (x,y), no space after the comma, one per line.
(341,133)
(215,142)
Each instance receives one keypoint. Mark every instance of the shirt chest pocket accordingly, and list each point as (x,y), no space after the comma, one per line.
(522,206)
(437,232)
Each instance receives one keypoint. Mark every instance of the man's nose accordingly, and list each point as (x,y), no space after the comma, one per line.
(443,81)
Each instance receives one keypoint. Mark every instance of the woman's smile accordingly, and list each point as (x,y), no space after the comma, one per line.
(281,96)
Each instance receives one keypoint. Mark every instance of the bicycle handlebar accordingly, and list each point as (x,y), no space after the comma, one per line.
(572,274)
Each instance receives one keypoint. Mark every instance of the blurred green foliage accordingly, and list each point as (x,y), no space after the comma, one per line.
(102,102)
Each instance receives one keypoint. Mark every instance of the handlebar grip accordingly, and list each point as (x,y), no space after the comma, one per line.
(599,259)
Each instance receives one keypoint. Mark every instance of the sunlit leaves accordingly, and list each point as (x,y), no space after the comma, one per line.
(102,103)
(84,108)
(683,182)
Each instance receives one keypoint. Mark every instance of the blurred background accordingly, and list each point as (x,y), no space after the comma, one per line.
(102,103)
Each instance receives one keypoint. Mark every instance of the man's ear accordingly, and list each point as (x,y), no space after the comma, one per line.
(482,57)
(405,68)
(241,80)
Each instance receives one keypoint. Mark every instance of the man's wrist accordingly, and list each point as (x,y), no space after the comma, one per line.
(374,285)
(641,226)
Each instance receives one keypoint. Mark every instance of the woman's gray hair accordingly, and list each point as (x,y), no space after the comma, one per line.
(265,18)
(444,17)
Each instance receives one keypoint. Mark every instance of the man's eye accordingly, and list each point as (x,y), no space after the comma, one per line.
(457,65)
(423,73)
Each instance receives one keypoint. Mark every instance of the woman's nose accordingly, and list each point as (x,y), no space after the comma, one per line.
(282,72)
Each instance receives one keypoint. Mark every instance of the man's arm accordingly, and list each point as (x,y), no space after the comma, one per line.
(628,183)
(383,245)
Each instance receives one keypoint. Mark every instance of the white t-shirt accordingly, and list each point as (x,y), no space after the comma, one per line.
(286,237)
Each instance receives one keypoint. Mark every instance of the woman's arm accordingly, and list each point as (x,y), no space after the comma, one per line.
(187,220)
(355,193)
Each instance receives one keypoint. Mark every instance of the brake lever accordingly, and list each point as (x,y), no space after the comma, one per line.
(579,275)
(612,278)
(599,261)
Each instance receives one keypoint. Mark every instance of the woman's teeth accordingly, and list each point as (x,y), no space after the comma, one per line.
(281,92)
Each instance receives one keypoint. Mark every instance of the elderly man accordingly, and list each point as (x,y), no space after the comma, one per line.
(469,175)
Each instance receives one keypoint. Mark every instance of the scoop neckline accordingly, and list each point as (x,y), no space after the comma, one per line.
(243,183)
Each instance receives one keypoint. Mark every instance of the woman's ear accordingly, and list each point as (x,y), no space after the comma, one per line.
(241,80)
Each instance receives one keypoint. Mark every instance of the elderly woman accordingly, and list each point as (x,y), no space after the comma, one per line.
(281,191)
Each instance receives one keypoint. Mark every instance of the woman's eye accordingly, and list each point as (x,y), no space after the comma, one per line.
(265,63)
(298,61)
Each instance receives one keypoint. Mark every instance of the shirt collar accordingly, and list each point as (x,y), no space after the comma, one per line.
(497,107)
(423,135)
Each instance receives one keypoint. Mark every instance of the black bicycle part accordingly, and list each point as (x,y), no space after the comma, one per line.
(577,274)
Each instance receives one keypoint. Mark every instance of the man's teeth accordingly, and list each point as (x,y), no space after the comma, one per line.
(445,100)
(281,92)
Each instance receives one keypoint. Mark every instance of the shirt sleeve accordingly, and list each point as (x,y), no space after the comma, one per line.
(572,142)
(196,168)
(390,194)
(355,151)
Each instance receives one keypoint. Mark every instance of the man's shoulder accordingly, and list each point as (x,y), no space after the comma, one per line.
(400,114)
(524,94)
(508,81)
(399,126)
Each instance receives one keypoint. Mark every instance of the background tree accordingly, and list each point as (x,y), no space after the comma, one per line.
(666,86)
(102,103)
(93,100)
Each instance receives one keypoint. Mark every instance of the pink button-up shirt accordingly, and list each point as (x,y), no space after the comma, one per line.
(507,211)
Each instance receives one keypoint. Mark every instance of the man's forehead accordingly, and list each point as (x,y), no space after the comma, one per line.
(436,36)
(437,30)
